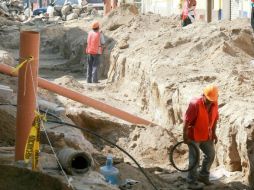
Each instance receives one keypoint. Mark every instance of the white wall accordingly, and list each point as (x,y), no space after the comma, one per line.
(226,9)
(162,7)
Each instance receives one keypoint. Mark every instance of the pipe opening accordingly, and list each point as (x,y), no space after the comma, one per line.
(74,161)
(29,32)
(80,163)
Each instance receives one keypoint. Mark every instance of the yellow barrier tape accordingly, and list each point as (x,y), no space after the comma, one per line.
(31,58)
(32,147)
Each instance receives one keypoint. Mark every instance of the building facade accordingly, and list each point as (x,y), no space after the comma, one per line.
(221,9)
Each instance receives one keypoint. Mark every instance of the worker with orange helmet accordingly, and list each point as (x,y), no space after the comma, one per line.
(188,14)
(200,128)
(95,42)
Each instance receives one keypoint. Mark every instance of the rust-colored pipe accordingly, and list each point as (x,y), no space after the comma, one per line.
(82,99)
(27,89)
(107,7)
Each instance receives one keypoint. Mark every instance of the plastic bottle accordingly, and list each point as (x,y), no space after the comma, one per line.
(110,173)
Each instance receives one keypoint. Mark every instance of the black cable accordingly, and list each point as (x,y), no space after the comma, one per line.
(108,141)
(196,161)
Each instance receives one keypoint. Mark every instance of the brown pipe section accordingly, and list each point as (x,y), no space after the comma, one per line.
(83,99)
(27,89)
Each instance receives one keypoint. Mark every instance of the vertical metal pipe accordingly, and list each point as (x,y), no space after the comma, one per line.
(230,10)
(27,89)
(209,10)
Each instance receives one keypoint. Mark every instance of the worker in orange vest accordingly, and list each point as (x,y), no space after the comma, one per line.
(188,14)
(95,43)
(200,128)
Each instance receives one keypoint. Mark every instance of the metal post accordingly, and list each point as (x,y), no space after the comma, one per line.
(220,10)
(209,10)
(27,89)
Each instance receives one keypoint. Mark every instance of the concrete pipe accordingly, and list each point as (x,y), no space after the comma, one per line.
(75,161)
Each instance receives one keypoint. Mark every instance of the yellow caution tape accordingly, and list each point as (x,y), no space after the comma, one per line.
(31,58)
(32,147)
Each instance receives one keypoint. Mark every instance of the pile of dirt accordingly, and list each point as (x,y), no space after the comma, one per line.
(20,178)
(178,64)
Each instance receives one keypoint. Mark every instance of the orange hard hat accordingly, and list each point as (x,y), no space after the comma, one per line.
(95,24)
(211,93)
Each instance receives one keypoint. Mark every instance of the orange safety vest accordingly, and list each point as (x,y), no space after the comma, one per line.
(93,43)
(202,129)
(186,10)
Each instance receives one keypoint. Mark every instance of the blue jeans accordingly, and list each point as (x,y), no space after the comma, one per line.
(207,147)
(92,68)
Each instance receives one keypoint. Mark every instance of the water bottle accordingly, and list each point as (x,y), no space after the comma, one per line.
(110,173)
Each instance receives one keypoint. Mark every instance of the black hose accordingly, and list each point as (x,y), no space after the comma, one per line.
(196,161)
(108,141)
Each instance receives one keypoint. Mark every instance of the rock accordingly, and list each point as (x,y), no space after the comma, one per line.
(7,125)
(66,9)
(21,18)
(6,93)
(76,11)
(114,26)
(62,136)
(6,57)
(168,45)
(123,44)
(71,16)
(13,174)
(55,19)
(4,7)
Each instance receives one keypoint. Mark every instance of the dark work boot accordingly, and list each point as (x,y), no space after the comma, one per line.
(204,180)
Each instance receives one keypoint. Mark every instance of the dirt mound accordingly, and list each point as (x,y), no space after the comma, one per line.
(20,179)
(165,66)
(7,125)
(69,82)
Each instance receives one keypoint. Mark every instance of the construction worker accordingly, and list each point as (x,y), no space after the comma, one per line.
(188,14)
(95,42)
(200,128)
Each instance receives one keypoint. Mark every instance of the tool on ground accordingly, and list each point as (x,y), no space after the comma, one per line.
(128,184)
